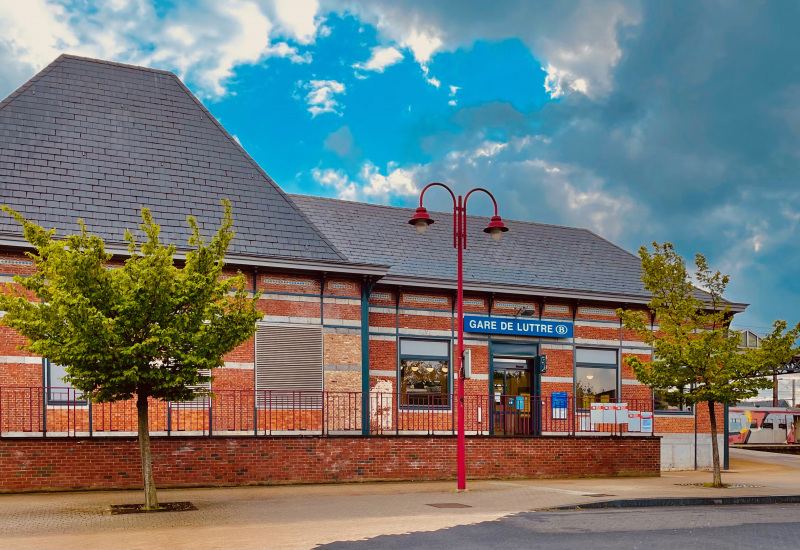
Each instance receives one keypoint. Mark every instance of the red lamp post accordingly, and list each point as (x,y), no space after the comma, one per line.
(421,220)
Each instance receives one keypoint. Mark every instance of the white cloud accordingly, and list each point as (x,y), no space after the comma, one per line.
(35,44)
(397,182)
(181,34)
(578,40)
(247,46)
(321,97)
(371,185)
(338,180)
(380,59)
(559,81)
(431,80)
(453,90)
(422,44)
(485,150)
(204,43)
(298,18)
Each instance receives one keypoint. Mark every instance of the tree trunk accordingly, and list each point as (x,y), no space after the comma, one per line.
(712,416)
(150,497)
(775,389)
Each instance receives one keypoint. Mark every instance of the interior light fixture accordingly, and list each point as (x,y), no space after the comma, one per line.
(414,369)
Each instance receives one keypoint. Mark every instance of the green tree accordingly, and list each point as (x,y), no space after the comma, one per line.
(697,357)
(148,329)
(777,349)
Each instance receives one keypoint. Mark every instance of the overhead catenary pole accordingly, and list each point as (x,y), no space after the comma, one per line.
(421,220)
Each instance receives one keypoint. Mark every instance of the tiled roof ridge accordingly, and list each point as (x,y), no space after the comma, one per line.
(257,167)
(410,210)
(39,74)
(115,64)
(263,184)
(30,82)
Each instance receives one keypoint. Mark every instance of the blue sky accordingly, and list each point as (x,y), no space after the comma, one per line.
(638,120)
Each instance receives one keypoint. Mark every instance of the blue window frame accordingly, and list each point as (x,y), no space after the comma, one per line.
(425,373)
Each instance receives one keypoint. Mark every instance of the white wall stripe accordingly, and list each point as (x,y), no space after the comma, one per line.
(556,346)
(20,359)
(410,311)
(288,298)
(390,373)
(309,320)
(594,341)
(598,324)
(557,379)
(237,365)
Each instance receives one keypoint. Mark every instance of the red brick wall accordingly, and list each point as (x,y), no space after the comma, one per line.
(60,464)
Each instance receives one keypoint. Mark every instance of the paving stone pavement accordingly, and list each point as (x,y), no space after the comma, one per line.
(307,516)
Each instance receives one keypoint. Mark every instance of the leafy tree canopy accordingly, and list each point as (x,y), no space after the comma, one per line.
(146,327)
(696,357)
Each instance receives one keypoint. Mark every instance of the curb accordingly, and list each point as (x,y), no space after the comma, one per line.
(690,501)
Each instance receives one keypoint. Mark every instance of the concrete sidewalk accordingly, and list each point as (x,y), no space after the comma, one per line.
(305,516)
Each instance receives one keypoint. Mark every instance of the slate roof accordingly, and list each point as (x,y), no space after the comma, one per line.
(548,259)
(99,140)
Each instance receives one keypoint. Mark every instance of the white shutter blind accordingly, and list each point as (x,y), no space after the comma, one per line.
(289,358)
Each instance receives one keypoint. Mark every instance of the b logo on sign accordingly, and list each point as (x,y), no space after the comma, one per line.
(561,329)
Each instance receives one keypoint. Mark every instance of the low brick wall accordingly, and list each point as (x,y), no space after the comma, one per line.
(113,463)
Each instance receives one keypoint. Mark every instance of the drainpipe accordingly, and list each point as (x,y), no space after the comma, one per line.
(366,290)
(726,458)
(695,436)
(255,365)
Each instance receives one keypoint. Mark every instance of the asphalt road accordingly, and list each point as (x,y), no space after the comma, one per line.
(673,528)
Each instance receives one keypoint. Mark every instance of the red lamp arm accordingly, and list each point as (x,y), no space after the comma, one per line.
(455,207)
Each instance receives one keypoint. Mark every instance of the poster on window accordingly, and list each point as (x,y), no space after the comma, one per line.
(559,402)
(647,422)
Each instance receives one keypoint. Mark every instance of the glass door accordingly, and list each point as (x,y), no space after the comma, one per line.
(514,397)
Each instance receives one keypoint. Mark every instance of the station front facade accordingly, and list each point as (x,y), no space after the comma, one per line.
(359,319)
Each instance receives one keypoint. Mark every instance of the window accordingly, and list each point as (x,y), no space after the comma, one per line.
(673,401)
(58,391)
(424,372)
(596,375)
(289,361)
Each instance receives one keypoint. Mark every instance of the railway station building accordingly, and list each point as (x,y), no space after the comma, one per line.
(353,360)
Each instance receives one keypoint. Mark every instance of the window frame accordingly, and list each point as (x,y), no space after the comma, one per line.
(48,389)
(682,412)
(591,364)
(280,398)
(416,357)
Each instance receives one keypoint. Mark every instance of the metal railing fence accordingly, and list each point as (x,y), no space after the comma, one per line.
(62,412)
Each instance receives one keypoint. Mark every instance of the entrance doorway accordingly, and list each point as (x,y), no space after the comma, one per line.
(516,397)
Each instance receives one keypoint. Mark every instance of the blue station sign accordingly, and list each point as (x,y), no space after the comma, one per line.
(517,327)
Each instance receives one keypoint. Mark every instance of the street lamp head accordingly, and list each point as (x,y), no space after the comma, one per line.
(496,228)
(421,220)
